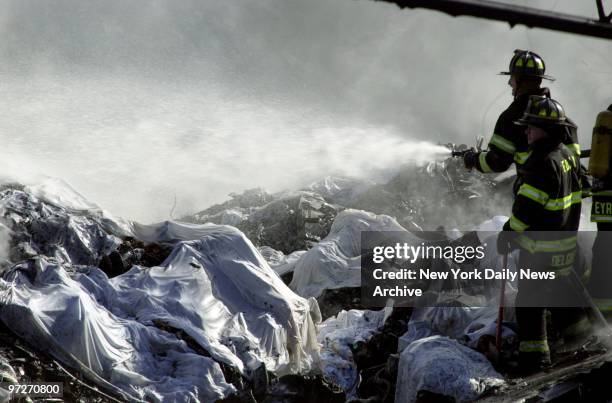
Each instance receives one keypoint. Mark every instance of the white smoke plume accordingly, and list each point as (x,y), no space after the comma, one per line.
(134,103)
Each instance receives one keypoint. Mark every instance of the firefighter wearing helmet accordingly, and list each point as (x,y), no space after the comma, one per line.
(543,226)
(508,143)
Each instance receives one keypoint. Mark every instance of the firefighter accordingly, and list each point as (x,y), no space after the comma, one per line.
(509,142)
(600,284)
(543,226)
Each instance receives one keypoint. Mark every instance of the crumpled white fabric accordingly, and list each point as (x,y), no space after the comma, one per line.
(230,291)
(42,304)
(443,366)
(336,335)
(217,288)
(281,263)
(335,262)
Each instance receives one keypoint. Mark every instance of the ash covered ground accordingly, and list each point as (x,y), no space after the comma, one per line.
(254,299)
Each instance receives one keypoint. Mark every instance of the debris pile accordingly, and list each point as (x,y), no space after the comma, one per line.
(150,333)
(441,193)
(289,221)
(256,299)
(53,220)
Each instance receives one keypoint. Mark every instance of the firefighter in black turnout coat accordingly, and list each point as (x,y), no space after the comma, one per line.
(543,225)
(508,143)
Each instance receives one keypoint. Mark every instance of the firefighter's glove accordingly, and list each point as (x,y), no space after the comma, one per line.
(470,158)
(504,241)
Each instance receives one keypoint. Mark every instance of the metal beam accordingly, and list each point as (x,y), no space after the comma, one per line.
(600,11)
(529,16)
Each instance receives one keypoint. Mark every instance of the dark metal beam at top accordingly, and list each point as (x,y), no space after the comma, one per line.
(529,16)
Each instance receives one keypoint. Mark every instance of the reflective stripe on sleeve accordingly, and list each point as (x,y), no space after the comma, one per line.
(521,157)
(502,143)
(517,225)
(482,159)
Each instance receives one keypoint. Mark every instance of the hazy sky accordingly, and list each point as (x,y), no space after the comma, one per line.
(136,102)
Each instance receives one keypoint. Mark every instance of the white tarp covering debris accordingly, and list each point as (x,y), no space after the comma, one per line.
(221,292)
(478,315)
(467,324)
(335,262)
(224,294)
(431,360)
(440,365)
(336,335)
(47,308)
(280,262)
(215,286)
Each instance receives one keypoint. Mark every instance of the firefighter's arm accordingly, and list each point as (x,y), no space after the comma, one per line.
(501,151)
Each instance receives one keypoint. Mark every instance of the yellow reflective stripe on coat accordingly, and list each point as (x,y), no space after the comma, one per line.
(574,147)
(541,197)
(482,159)
(602,193)
(517,224)
(534,346)
(502,143)
(601,218)
(564,202)
(533,193)
(522,157)
(538,245)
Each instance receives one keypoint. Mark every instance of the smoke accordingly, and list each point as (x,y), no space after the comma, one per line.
(134,103)
(184,145)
